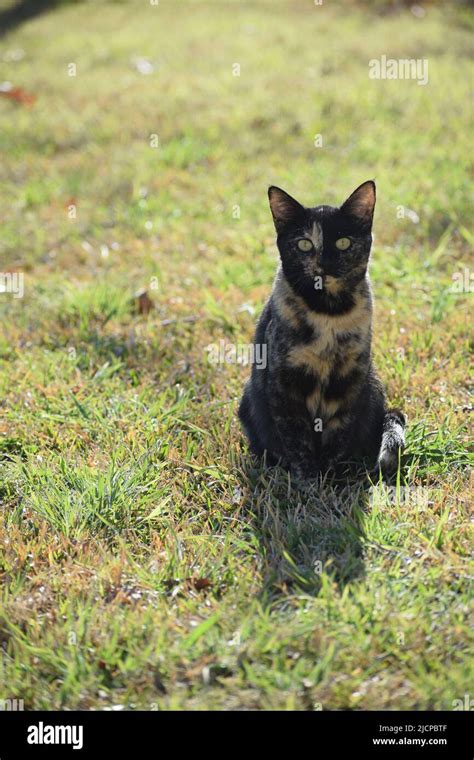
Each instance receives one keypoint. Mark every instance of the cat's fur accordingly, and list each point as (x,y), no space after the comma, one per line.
(318,400)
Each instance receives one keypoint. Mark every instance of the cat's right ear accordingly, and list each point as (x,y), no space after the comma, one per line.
(285,209)
(360,205)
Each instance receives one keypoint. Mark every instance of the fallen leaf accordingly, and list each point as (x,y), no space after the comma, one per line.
(201,583)
(18,94)
(144,303)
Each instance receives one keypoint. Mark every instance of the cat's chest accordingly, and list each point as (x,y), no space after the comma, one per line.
(332,344)
(331,358)
(318,356)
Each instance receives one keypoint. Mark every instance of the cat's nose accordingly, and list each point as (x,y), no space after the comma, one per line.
(323,257)
(326,261)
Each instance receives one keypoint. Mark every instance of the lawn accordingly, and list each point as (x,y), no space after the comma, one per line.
(146,561)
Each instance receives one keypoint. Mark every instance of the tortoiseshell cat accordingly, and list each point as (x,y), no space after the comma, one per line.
(318,400)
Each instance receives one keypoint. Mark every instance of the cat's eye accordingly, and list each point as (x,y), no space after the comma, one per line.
(304,244)
(343,244)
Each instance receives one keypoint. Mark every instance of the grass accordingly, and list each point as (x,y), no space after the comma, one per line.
(146,561)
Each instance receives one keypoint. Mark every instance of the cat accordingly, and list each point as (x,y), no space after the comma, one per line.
(318,401)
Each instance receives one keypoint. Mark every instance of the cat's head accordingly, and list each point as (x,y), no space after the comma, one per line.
(325,248)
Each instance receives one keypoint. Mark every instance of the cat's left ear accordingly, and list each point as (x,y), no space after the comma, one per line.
(360,205)
(285,209)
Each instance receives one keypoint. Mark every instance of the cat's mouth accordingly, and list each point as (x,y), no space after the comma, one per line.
(327,281)
(333,284)
(326,271)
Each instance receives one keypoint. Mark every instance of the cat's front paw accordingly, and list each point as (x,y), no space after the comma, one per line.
(303,477)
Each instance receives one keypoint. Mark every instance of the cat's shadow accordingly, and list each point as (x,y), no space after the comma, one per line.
(306,538)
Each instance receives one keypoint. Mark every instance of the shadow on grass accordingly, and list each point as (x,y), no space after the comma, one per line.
(311,537)
(305,537)
(23,11)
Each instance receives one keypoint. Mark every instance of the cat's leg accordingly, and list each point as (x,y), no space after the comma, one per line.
(248,421)
(393,442)
(295,440)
